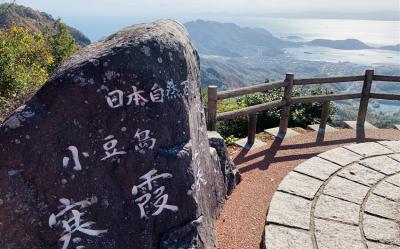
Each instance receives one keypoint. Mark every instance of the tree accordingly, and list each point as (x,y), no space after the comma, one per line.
(62,45)
(24,58)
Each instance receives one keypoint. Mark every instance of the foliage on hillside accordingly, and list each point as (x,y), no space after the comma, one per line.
(301,115)
(348,110)
(35,21)
(26,61)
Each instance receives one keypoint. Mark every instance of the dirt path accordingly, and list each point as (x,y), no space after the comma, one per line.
(241,223)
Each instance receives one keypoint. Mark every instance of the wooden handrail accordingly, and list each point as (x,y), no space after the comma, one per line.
(324,98)
(249,90)
(250,110)
(387,96)
(386,78)
(287,100)
(328,80)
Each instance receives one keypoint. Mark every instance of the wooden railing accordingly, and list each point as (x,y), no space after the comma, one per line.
(214,96)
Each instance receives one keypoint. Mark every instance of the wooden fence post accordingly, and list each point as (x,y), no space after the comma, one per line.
(252,129)
(285,111)
(324,116)
(366,90)
(212,108)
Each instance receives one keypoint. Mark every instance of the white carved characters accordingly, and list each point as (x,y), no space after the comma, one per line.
(75,158)
(145,142)
(156,207)
(109,147)
(70,219)
(115,99)
(138,97)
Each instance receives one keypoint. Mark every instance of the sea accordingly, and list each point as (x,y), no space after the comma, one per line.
(372,32)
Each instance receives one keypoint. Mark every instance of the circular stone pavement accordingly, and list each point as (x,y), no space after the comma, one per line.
(348,197)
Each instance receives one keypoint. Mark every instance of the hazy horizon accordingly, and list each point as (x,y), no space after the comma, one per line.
(99,18)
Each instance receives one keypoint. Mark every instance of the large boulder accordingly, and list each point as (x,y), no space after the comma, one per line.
(113,151)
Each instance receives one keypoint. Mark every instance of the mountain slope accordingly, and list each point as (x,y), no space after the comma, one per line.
(230,40)
(13,14)
(348,44)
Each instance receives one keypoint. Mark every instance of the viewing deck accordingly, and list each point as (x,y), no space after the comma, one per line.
(243,219)
(311,207)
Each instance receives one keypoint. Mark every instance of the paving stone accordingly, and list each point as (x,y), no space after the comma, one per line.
(280,237)
(335,209)
(275,132)
(289,210)
(318,168)
(334,235)
(383,207)
(361,174)
(369,149)
(346,189)
(381,230)
(388,191)
(315,127)
(395,157)
(392,145)
(301,185)
(340,156)
(395,180)
(375,245)
(382,164)
(353,125)
(243,143)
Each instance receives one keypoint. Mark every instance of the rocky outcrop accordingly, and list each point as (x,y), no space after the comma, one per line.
(113,153)
(231,174)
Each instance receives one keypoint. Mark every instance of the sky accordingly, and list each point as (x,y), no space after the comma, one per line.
(179,7)
(99,17)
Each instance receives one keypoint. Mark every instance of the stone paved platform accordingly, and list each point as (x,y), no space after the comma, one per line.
(353,125)
(275,132)
(345,198)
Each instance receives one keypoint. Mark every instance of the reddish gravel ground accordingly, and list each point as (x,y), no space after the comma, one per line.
(241,223)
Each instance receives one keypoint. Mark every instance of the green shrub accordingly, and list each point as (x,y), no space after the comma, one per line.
(301,115)
(26,61)
(24,58)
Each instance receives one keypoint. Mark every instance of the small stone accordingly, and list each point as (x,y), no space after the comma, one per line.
(381,230)
(340,156)
(335,209)
(334,235)
(123,129)
(388,191)
(368,149)
(280,237)
(375,245)
(296,211)
(361,174)
(395,180)
(1,202)
(383,164)
(318,168)
(395,157)
(301,185)
(64,181)
(392,145)
(345,189)
(382,207)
